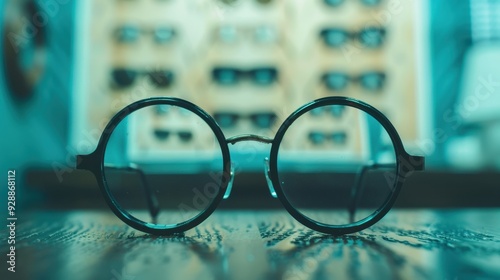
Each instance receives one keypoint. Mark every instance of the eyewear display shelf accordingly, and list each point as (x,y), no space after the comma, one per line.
(249,64)
(406,244)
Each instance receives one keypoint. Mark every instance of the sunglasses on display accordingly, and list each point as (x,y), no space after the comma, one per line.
(320,138)
(128,34)
(124,78)
(370,80)
(369,37)
(259,120)
(263,76)
(164,135)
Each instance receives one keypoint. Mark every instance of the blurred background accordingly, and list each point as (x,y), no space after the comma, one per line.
(432,67)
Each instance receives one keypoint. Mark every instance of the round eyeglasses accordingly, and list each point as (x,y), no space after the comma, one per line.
(165,186)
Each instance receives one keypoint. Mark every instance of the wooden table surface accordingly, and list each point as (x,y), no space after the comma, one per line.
(406,244)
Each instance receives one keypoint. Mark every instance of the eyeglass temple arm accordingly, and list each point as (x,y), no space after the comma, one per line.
(87,162)
(151,199)
(417,163)
(358,186)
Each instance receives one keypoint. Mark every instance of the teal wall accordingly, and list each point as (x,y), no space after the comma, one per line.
(35,131)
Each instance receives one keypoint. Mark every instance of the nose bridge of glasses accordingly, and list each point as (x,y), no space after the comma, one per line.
(257,138)
(249,137)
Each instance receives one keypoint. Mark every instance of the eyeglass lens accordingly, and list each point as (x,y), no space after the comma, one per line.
(147,163)
(359,172)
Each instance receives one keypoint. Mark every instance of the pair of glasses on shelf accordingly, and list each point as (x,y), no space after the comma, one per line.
(321,138)
(259,120)
(370,80)
(165,134)
(262,76)
(335,191)
(123,77)
(367,3)
(369,37)
(128,34)
(262,34)
(334,111)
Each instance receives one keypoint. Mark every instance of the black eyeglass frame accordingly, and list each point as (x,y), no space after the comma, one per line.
(406,163)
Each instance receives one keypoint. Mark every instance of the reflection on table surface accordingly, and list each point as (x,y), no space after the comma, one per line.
(406,244)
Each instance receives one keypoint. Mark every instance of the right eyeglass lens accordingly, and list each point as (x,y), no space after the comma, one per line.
(163,35)
(340,179)
(372,81)
(264,76)
(263,120)
(372,37)
(161,78)
(163,170)
(226,120)
(228,34)
(265,34)
(127,34)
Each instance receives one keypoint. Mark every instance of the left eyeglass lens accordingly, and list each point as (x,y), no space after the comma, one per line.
(163,180)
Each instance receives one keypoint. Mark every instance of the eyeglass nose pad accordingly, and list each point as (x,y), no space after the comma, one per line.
(269,182)
(230,184)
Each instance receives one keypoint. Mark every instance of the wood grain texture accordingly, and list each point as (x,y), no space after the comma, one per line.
(406,244)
